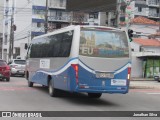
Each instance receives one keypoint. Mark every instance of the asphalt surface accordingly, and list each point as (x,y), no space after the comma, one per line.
(17,96)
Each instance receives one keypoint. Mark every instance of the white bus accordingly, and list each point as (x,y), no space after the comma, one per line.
(91,59)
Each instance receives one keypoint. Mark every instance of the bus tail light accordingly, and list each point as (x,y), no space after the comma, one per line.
(75,67)
(129,73)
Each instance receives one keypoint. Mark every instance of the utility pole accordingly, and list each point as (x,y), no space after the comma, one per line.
(118,12)
(28,37)
(11,41)
(159,15)
(46,17)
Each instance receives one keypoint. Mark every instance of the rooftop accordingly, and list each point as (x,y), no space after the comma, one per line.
(147,42)
(141,20)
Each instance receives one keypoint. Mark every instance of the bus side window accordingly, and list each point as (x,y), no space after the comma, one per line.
(66,43)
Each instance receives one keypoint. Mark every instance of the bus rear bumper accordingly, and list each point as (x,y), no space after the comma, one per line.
(119,90)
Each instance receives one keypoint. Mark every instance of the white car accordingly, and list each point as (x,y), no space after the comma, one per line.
(17,67)
(157,77)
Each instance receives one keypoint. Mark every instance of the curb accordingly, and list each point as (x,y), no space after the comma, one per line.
(144,87)
(141,87)
(142,80)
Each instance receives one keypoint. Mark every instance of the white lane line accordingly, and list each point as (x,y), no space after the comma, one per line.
(153,93)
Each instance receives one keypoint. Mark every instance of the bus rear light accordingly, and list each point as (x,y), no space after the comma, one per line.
(82,87)
(75,67)
(129,73)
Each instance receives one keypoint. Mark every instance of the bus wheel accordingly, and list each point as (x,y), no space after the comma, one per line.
(52,90)
(30,84)
(94,95)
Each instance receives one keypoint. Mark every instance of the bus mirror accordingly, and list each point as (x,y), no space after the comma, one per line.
(130,34)
(26,46)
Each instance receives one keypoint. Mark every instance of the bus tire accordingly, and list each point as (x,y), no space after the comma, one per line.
(52,90)
(94,95)
(30,84)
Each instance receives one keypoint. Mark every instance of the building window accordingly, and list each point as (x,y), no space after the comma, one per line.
(39,24)
(5,39)
(41,12)
(139,9)
(17,51)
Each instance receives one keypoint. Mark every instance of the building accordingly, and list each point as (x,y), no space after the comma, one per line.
(17,14)
(145,8)
(145,51)
(141,26)
(148,8)
(29,18)
(38,9)
(1,27)
(58,17)
(145,58)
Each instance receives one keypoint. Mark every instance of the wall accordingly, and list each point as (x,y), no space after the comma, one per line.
(142,30)
(152,49)
(102,18)
(135,46)
(137,67)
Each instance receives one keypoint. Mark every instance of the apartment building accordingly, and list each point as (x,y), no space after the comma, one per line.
(38,18)
(146,8)
(29,20)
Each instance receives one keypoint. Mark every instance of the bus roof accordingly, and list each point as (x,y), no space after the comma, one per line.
(71,27)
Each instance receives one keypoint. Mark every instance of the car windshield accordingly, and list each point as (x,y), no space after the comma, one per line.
(2,63)
(23,62)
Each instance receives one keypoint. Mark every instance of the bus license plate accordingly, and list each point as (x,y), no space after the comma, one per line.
(118,82)
(104,75)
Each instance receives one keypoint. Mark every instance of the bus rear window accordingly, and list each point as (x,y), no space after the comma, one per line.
(103,43)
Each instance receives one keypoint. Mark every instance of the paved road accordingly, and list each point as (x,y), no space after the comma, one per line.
(16,96)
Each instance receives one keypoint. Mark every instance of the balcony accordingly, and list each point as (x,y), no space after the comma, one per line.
(38,16)
(57,5)
(139,2)
(153,3)
(59,18)
(7,10)
(153,15)
(144,12)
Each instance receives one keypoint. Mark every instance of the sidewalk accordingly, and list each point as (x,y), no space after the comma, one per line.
(144,84)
